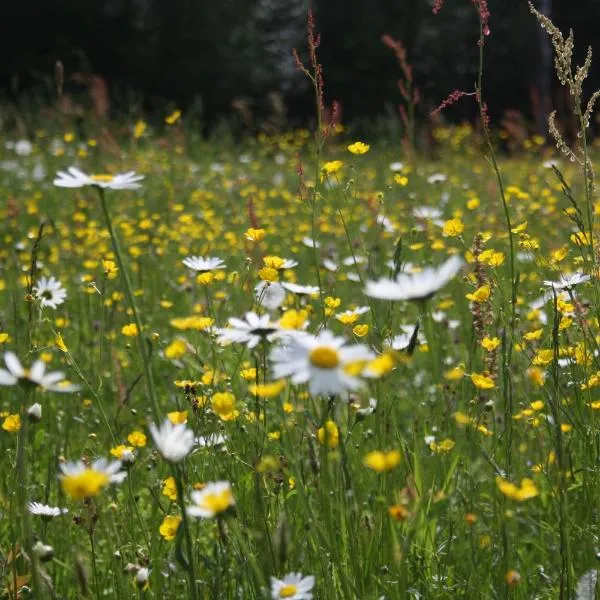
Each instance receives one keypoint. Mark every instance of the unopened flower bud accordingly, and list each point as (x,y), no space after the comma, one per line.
(43,551)
(34,412)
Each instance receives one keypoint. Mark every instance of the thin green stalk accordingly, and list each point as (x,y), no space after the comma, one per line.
(23,492)
(188,564)
(145,355)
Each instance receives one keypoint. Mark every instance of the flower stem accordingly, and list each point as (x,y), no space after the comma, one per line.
(145,355)
(22,494)
(188,564)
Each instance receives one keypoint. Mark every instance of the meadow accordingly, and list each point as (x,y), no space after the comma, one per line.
(297,367)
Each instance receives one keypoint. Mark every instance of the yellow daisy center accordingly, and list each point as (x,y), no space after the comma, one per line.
(102,178)
(324,357)
(217,503)
(86,484)
(287,591)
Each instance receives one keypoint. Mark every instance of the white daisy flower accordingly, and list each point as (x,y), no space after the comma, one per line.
(213,499)
(210,441)
(173,442)
(347,315)
(201,264)
(330,265)
(396,166)
(43,510)
(307,241)
(74,178)
(402,339)
(301,290)
(415,286)
(79,480)
(293,587)
(270,295)
(427,213)
(15,373)
(49,292)
(367,410)
(250,332)
(322,361)
(437,178)
(354,260)
(567,282)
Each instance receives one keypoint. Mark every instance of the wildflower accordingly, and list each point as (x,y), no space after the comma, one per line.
(322,361)
(294,319)
(74,178)
(490,344)
(137,439)
(348,317)
(292,587)
(130,330)
(212,500)
(269,295)
(79,481)
(268,274)
(398,512)
(567,282)
(481,294)
(45,511)
(453,228)
(43,551)
(178,417)
(331,167)
(168,528)
(141,579)
(176,349)
(194,322)
(358,148)
(203,265)
(267,390)
(173,442)
(300,290)
(415,286)
(12,423)
(49,292)
(34,413)
(169,488)
(329,435)
(250,332)
(382,461)
(60,343)
(360,330)
(223,405)
(255,235)
(483,382)
(380,366)
(442,447)
(123,453)
(37,375)
(110,268)
(139,129)
(526,491)
(173,117)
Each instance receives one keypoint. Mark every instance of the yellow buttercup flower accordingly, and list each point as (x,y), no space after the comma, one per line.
(481,294)
(168,528)
(358,148)
(453,228)
(483,382)
(382,461)
(329,435)
(12,423)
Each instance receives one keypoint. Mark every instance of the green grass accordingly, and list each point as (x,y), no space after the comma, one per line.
(300,505)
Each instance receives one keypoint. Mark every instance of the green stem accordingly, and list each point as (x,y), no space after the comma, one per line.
(146,359)
(22,493)
(189,564)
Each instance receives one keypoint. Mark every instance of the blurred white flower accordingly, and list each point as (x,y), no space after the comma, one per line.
(74,178)
(173,442)
(36,375)
(415,286)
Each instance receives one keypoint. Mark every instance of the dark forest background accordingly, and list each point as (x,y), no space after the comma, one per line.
(215,56)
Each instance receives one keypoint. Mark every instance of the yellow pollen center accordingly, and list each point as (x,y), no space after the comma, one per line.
(217,503)
(324,357)
(287,591)
(86,484)
(102,178)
